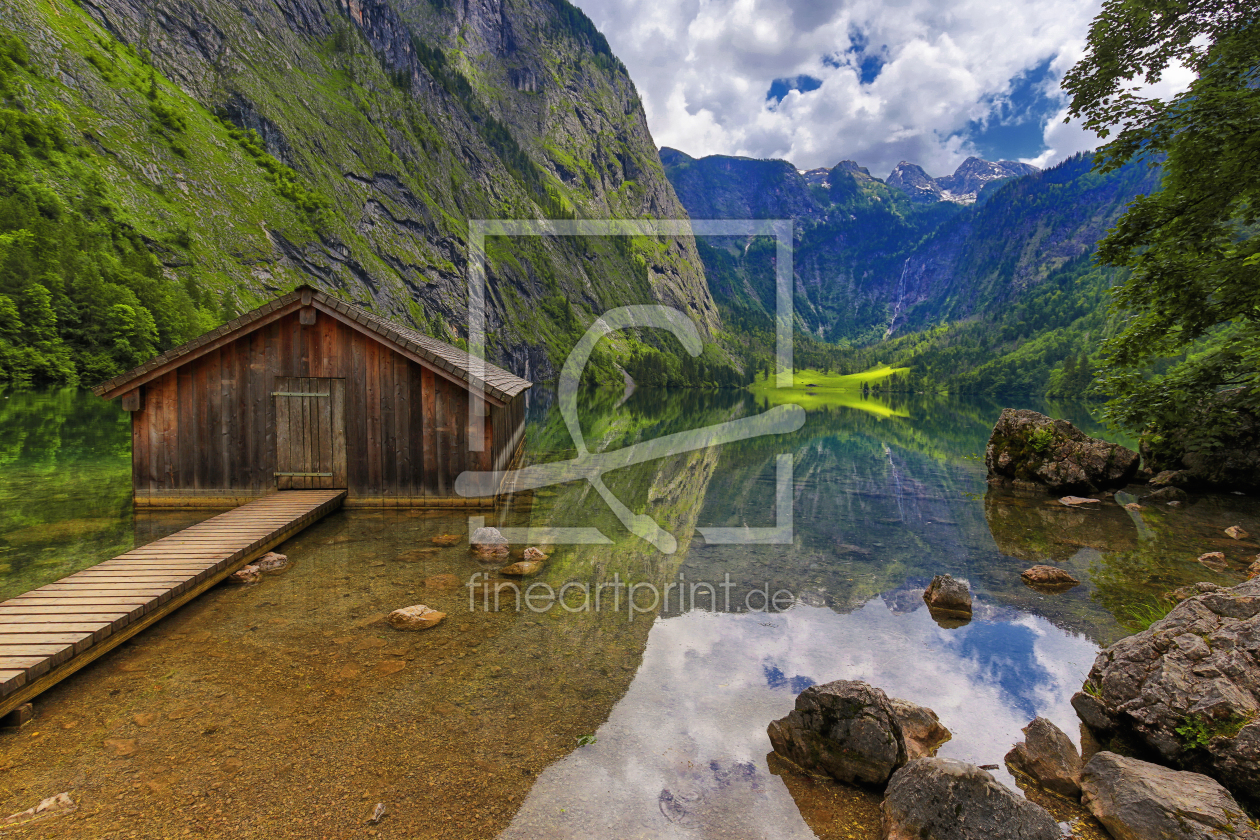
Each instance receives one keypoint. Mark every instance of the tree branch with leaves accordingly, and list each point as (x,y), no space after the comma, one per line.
(1189,310)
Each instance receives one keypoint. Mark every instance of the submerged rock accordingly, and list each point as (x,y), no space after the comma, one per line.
(445,540)
(1136,800)
(532,553)
(1167,495)
(1048,757)
(50,807)
(1236,532)
(845,729)
(1078,501)
(443,582)
(415,617)
(488,544)
(522,568)
(943,799)
(246,574)
(272,562)
(949,597)
(1049,577)
(1032,451)
(921,729)
(1215,561)
(1188,688)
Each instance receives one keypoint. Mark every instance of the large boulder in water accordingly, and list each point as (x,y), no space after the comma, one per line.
(1136,800)
(943,799)
(1028,450)
(1048,757)
(845,729)
(1188,688)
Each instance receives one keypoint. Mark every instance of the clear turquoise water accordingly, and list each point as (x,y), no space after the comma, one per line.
(305,709)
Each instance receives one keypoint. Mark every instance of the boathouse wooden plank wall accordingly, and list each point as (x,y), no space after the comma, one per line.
(207,428)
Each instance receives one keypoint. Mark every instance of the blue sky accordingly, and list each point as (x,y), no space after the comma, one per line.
(876,81)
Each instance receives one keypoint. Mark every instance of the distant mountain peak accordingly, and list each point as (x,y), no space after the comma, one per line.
(963,187)
(912,180)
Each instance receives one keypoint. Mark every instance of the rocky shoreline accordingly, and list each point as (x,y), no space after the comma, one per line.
(1170,716)
(1170,726)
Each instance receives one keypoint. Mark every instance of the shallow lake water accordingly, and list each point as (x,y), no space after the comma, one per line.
(289,708)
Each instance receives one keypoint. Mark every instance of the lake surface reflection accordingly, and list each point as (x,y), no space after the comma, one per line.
(289,708)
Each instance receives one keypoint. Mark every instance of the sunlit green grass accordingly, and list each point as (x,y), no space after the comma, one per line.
(816,389)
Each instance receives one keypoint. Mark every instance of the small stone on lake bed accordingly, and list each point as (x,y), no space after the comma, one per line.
(488,544)
(1132,506)
(949,597)
(1215,561)
(445,540)
(533,553)
(415,617)
(121,746)
(443,582)
(246,574)
(1077,501)
(271,562)
(1236,532)
(1049,576)
(53,805)
(524,567)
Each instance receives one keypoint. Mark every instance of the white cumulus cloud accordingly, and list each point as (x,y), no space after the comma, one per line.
(703,68)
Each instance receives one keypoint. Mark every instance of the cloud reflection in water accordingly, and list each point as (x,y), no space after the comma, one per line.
(683,754)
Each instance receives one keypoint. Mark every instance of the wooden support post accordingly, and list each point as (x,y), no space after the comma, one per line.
(19,717)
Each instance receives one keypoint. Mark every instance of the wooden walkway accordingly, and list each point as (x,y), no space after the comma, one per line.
(51,632)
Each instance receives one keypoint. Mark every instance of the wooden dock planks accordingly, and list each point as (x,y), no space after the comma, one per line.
(49,633)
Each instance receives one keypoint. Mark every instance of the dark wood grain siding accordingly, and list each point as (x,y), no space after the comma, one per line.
(208,428)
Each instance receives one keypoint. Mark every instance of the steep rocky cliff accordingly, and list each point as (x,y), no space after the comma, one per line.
(256,144)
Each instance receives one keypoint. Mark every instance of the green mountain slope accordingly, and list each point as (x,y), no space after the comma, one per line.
(996,296)
(250,145)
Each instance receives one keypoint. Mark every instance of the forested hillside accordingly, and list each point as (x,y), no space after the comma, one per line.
(168,165)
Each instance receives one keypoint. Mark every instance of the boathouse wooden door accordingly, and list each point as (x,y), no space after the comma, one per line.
(310,433)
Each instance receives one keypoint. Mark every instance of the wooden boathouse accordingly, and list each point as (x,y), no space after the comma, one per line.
(311,392)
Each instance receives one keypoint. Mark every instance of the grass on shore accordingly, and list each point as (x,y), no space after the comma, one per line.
(816,389)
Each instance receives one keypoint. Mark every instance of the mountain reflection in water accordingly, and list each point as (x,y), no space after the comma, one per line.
(290,708)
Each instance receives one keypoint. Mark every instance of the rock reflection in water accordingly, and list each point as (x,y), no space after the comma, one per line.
(1040,529)
(684,753)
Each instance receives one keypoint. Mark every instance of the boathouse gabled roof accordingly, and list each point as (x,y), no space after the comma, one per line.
(500,385)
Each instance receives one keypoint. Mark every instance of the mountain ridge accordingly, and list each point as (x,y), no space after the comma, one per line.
(873,261)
